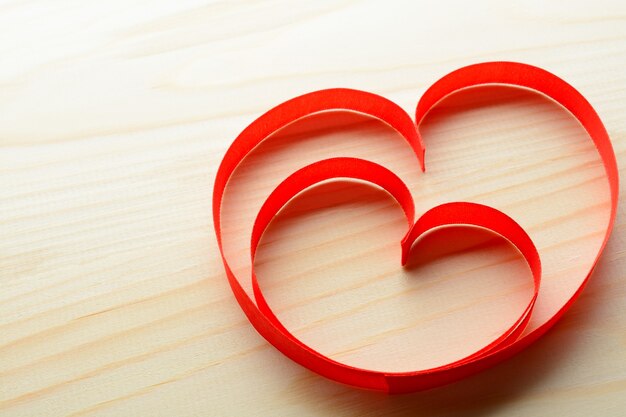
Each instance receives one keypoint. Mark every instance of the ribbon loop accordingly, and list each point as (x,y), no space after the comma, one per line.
(509,342)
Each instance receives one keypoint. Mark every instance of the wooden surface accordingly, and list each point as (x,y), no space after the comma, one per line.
(114,117)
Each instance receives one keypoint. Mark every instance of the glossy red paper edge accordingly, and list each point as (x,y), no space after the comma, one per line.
(510,342)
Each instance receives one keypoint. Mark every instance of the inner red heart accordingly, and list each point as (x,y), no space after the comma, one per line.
(456,213)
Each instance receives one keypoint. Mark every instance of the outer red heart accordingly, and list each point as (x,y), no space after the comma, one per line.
(507,344)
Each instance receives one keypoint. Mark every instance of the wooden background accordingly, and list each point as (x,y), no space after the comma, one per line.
(113,119)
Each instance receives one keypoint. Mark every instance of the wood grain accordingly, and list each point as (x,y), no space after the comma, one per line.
(115,116)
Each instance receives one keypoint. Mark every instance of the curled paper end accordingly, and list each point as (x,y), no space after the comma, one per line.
(421,156)
(405,248)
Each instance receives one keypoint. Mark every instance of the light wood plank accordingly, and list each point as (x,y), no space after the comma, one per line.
(115,116)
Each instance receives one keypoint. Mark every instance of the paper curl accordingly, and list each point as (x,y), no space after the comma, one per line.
(509,342)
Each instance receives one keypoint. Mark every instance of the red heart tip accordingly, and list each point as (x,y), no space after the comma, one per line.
(406,249)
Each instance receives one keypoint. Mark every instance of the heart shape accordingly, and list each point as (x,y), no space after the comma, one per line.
(509,342)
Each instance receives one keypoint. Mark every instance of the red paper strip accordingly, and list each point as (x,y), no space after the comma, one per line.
(507,344)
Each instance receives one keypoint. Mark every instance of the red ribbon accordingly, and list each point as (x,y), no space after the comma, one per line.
(508,343)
